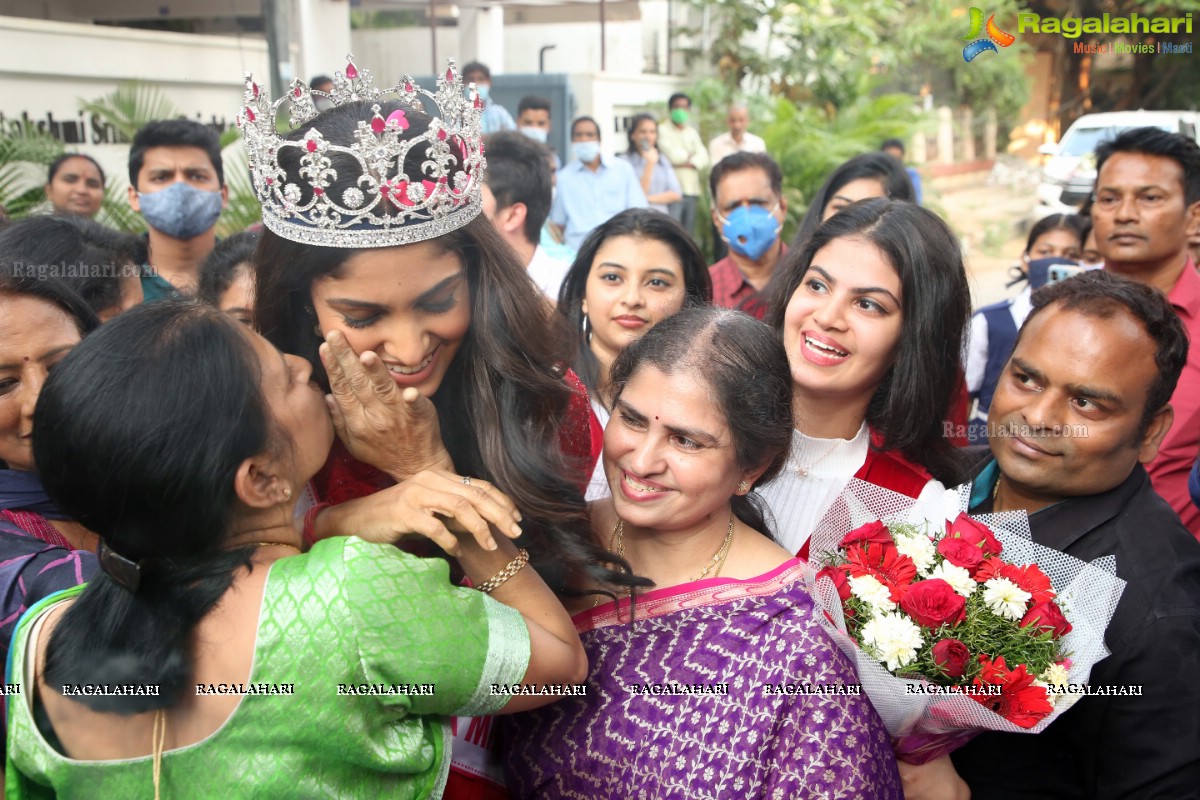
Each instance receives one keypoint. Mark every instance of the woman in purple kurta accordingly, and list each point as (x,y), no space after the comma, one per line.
(723,684)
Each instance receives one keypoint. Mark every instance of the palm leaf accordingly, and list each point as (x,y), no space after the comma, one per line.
(132,105)
(24,158)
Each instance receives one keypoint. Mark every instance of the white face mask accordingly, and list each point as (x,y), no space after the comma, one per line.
(539,135)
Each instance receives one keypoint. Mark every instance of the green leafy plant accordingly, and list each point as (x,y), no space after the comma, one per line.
(24,158)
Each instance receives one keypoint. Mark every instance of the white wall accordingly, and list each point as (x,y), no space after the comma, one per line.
(202,75)
(398,51)
(613,98)
(577,47)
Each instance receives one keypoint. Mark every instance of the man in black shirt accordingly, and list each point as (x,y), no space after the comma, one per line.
(1082,405)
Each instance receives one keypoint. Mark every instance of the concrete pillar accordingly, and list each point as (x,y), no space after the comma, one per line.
(918,151)
(989,133)
(968,134)
(945,135)
(481,37)
(323,32)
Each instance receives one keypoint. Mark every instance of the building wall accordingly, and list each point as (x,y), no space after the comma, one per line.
(201,75)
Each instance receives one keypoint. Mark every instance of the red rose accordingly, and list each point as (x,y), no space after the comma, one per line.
(1047,616)
(952,656)
(871,532)
(961,554)
(972,531)
(1031,579)
(932,604)
(838,576)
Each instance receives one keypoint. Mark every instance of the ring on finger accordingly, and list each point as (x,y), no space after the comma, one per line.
(467,480)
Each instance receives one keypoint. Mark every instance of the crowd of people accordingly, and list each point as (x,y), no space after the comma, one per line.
(421,486)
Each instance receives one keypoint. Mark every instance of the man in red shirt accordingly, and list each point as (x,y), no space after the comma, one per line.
(1147,196)
(748,209)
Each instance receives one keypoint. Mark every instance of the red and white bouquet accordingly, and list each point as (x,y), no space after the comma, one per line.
(957,626)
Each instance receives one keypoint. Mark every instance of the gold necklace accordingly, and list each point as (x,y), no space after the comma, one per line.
(617,541)
(995,494)
(158,738)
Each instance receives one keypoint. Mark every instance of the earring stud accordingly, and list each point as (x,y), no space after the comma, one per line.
(743,487)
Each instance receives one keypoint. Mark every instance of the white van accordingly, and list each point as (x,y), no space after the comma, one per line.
(1070,173)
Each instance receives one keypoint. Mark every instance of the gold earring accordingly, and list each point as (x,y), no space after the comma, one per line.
(287,493)
(743,487)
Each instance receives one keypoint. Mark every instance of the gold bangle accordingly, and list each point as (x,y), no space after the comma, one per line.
(496,581)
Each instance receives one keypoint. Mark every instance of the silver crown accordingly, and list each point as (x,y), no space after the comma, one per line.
(385,207)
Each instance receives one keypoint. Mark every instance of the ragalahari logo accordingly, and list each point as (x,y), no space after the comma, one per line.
(995,36)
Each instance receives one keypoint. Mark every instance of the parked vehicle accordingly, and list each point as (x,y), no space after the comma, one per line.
(1070,172)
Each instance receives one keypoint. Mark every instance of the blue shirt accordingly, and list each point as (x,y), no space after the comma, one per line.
(496,118)
(662,179)
(586,199)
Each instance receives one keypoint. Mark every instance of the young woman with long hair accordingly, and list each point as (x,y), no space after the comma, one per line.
(872,312)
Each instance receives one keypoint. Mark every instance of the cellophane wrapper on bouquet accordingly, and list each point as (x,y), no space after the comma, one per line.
(957,625)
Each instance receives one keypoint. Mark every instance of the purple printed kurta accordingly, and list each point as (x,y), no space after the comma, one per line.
(722,688)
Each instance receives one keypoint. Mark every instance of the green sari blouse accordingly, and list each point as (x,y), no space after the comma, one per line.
(362,653)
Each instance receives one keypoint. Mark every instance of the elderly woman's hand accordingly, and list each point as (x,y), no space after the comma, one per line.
(394,431)
(438,505)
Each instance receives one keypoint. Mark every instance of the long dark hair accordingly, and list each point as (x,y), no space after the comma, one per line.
(642,223)
(879,166)
(915,396)
(85,255)
(503,401)
(745,367)
(637,120)
(1072,223)
(138,435)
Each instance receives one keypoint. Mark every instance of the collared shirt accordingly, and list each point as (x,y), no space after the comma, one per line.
(662,179)
(730,287)
(496,118)
(156,287)
(726,145)
(1169,470)
(1108,747)
(586,199)
(681,145)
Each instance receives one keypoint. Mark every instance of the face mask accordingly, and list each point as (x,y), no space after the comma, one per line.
(586,151)
(485,91)
(181,211)
(750,231)
(645,145)
(537,134)
(679,116)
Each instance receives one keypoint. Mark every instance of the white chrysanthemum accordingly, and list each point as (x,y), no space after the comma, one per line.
(894,638)
(959,578)
(919,549)
(1056,675)
(1005,598)
(868,589)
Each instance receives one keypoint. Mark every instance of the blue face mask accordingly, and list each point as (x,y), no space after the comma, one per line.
(485,91)
(537,134)
(586,151)
(750,231)
(181,211)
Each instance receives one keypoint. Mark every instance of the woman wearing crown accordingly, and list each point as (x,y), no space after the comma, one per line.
(377,267)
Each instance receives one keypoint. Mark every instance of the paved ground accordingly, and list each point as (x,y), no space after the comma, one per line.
(992,222)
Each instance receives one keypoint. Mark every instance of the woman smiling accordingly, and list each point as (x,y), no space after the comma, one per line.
(872,312)
(688,690)
(632,272)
